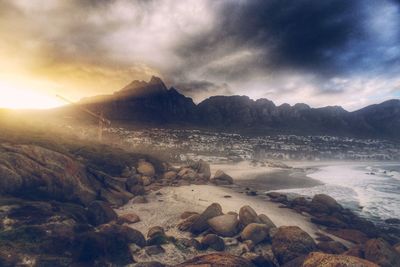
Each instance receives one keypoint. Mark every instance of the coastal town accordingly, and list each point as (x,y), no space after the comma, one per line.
(219,147)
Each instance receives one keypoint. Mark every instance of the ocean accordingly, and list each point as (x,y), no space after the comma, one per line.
(370,189)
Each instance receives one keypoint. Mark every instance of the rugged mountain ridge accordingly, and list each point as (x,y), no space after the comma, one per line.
(153,103)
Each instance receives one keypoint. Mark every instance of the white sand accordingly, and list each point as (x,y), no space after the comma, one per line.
(165,210)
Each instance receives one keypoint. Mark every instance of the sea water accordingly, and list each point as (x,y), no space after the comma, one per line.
(370,189)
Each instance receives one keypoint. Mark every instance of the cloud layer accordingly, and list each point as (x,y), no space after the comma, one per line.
(331,52)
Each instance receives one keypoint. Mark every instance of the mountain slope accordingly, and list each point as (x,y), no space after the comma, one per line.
(152,103)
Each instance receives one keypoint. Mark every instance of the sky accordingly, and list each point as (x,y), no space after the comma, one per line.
(331,52)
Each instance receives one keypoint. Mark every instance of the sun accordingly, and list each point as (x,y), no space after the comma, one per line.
(15,96)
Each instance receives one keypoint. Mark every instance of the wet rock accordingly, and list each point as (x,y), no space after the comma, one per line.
(214,242)
(356,251)
(201,223)
(392,221)
(255,232)
(291,242)
(145,168)
(381,253)
(100,212)
(154,250)
(247,215)
(128,218)
(317,259)
(264,219)
(324,203)
(330,221)
(323,238)
(351,235)
(221,178)
(224,225)
(277,197)
(217,260)
(331,247)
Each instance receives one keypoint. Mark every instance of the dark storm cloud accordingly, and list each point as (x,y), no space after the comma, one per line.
(279,49)
(327,37)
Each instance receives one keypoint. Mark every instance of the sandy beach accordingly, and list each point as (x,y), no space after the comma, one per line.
(165,206)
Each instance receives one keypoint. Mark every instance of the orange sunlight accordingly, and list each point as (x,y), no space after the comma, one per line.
(15,96)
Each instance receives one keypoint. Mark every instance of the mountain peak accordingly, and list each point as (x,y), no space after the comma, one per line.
(139,88)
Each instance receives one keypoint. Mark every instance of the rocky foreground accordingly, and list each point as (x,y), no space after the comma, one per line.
(58,210)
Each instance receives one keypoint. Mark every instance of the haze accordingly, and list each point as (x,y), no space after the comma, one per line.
(320,52)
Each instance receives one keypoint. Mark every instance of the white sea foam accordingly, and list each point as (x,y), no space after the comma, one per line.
(374,187)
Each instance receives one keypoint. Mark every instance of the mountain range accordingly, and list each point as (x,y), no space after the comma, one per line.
(152,103)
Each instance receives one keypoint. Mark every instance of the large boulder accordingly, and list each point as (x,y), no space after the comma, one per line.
(224,225)
(100,212)
(221,178)
(45,174)
(324,203)
(256,232)
(145,168)
(317,259)
(247,215)
(201,223)
(290,242)
(217,260)
(381,253)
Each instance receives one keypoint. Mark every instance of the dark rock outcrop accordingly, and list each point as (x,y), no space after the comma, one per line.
(200,224)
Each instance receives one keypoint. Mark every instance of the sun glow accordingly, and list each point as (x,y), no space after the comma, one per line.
(15,96)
